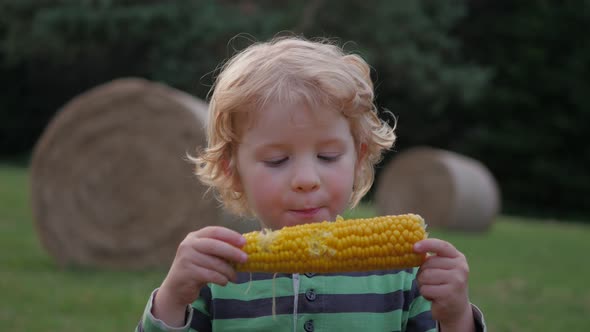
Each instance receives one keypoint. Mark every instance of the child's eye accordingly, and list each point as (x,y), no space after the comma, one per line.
(328,157)
(275,162)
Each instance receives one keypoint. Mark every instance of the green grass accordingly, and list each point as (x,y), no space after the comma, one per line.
(36,295)
(529,276)
(525,275)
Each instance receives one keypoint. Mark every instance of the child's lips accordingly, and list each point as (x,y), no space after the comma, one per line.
(307,213)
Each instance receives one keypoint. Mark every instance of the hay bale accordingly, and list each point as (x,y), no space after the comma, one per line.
(449,190)
(110,182)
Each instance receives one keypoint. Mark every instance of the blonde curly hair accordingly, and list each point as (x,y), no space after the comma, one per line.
(289,70)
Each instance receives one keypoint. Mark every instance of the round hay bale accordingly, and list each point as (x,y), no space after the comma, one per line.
(449,190)
(110,182)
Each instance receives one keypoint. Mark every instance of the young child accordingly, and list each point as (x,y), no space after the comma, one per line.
(293,139)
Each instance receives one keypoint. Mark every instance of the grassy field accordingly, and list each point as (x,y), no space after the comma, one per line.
(526,275)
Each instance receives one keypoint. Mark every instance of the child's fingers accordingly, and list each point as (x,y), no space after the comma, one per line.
(211,276)
(435,277)
(223,234)
(215,264)
(435,292)
(439,247)
(219,249)
(436,262)
(455,283)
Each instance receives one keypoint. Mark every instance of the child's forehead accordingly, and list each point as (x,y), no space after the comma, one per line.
(296,115)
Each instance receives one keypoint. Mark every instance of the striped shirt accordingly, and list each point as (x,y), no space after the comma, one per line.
(372,301)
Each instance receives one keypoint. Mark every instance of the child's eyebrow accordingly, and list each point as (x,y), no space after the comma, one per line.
(332,141)
(282,146)
(281,149)
(271,147)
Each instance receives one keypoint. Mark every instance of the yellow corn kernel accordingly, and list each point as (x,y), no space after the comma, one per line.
(342,246)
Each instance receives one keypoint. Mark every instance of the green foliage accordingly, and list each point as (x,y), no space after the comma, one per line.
(420,71)
(503,82)
(57,49)
(531,126)
(53,50)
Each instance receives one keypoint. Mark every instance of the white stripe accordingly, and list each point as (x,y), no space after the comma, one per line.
(295,299)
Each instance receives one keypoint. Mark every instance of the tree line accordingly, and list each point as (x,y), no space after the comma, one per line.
(501,81)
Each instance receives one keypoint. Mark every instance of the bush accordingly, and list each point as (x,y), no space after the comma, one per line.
(433,63)
(54,50)
(531,125)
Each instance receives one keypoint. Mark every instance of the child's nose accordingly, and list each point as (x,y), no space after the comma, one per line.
(305,178)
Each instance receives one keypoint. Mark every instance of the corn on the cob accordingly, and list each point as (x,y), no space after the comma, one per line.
(341,246)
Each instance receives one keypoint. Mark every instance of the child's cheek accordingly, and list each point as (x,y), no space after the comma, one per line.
(341,183)
(265,187)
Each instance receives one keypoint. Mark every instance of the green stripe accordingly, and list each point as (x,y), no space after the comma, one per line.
(419,305)
(266,323)
(254,290)
(375,284)
(354,321)
(326,322)
(200,305)
(282,286)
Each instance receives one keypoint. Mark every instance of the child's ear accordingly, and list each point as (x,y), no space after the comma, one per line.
(360,158)
(361,154)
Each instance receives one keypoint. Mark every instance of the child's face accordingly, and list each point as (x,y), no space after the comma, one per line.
(296,165)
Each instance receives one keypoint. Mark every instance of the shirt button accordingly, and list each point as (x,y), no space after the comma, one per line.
(308,326)
(310,295)
(309,274)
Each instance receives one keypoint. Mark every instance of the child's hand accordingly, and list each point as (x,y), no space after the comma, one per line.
(442,279)
(204,256)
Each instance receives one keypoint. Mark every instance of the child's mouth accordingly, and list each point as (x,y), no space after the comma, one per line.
(306,213)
